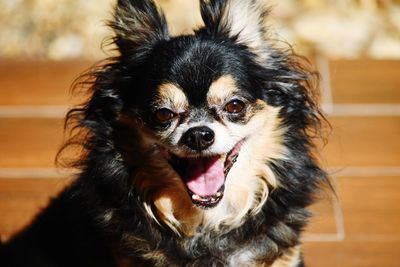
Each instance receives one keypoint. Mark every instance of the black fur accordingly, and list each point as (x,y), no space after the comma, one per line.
(71,231)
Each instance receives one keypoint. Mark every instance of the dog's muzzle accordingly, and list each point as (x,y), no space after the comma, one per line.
(204,177)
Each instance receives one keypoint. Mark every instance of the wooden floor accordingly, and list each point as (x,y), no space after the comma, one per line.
(359,228)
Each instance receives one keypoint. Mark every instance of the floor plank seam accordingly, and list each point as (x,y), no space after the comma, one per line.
(364,171)
(367,110)
(42,111)
(332,110)
(326,84)
(36,173)
(337,209)
(334,237)
(351,171)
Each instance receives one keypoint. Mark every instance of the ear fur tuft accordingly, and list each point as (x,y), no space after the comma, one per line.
(138,24)
(243,20)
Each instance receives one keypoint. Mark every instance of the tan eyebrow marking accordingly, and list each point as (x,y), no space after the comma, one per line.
(222,89)
(171,95)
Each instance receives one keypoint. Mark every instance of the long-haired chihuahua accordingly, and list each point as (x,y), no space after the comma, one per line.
(198,150)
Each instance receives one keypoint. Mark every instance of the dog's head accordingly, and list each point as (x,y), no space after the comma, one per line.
(199,117)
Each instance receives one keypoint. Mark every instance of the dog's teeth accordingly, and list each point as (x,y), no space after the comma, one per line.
(235,159)
(219,194)
(196,197)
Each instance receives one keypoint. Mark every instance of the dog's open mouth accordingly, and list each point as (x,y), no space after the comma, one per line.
(204,177)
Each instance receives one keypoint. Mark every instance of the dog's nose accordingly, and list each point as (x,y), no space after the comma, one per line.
(198,138)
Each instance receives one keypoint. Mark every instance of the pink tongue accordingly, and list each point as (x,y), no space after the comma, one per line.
(205,175)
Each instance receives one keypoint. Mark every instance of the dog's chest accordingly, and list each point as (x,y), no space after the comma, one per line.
(228,252)
(242,257)
(223,253)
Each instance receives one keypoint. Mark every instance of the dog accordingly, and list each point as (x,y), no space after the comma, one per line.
(197,150)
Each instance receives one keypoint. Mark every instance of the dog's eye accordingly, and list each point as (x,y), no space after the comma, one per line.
(235,106)
(164,115)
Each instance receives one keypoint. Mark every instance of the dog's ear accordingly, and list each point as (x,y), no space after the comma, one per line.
(138,25)
(242,20)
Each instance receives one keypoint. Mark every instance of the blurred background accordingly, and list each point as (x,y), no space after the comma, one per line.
(74,29)
(355,44)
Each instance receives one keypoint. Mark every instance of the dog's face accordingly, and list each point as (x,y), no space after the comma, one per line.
(199,111)
(203,118)
(204,110)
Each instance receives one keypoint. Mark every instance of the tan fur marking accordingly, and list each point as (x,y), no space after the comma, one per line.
(221,90)
(165,200)
(289,259)
(177,211)
(172,96)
